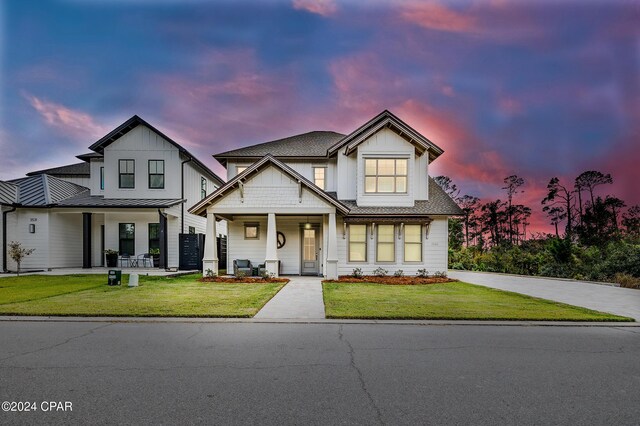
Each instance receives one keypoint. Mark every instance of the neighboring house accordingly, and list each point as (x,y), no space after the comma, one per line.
(128,194)
(323,203)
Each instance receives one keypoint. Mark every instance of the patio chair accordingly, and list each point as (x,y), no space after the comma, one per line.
(145,260)
(242,265)
(125,258)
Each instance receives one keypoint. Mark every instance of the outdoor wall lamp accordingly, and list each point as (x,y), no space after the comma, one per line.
(32,228)
(427,226)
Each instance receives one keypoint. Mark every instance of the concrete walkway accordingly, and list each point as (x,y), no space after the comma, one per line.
(604,298)
(300,298)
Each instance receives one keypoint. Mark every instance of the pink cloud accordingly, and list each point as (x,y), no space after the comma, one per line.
(73,123)
(319,7)
(434,16)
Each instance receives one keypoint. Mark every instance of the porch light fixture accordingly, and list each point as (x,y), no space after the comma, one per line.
(427,226)
(307,225)
(32,228)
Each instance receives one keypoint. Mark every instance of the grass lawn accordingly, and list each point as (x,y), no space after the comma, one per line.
(88,295)
(452,301)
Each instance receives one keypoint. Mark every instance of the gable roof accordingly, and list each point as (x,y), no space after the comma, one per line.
(44,190)
(307,145)
(386,119)
(88,156)
(77,169)
(267,160)
(134,122)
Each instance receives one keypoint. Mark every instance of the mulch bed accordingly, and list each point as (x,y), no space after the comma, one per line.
(391,280)
(243,280)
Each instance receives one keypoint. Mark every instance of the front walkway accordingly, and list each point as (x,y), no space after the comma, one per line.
(615,300)
(301,298)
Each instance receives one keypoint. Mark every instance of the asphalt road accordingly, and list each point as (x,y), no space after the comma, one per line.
(251,373)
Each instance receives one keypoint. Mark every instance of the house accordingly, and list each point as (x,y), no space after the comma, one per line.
(324,203)
(129,194)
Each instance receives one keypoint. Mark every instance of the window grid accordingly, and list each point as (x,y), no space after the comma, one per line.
(203,188)
(386,175)
(126,171)
(357,243)
(156,174)
(412,243)
(386,245)
(319,177)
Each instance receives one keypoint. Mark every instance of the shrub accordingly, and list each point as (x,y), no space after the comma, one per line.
(380,272)
(626,280)
(398,273)
(18,253)
(440,274)
(241,274)
(422,273)
(357,273)
(210,274)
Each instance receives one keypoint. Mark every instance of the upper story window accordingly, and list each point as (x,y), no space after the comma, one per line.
(240,169)
(126,170)
(156,174)
(101,178)
(319,177)
(203,188)
(385,175)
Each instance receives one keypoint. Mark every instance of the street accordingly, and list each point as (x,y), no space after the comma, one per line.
(261,373)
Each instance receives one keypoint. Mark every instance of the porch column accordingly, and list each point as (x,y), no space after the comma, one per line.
(163,261)
(271,257)
(210,257)
(332,249)
(86,240)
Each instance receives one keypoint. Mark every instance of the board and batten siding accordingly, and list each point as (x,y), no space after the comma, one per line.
(304,167)
(94,168)
(18,230)
(65,240)
(434,251)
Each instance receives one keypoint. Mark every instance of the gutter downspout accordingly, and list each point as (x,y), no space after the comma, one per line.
(4,238)
(182,193)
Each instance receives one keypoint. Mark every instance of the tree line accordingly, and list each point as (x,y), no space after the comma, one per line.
(595,237)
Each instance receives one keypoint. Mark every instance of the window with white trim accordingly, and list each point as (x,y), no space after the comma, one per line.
(386,244)
(357,243)
(319,177)
(412,243)
(203,188)
(385,175)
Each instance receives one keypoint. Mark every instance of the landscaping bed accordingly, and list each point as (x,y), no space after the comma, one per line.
(391,280)
(243,280)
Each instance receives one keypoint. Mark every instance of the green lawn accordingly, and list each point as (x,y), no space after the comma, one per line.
(88,295)
(452,301)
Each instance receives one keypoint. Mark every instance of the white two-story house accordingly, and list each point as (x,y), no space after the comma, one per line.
(129,194)
(324,203)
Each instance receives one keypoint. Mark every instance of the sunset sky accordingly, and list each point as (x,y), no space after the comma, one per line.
(538,89)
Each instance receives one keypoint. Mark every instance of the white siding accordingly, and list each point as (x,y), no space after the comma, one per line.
(65,240)
(255,250)
(18,230)
(141,221)
(347,176)
(434,251)
(192,180)
(304,167)
(142,144)
(94,168)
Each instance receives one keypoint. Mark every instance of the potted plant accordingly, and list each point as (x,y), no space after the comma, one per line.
(155,253)
(112,258)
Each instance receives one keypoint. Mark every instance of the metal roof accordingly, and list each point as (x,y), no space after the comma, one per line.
(44,190)
(8,193)
(439,203)
(134,122)
(311,144)
(87,200)
(77,169)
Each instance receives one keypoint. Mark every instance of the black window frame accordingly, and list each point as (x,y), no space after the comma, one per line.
(203,188)
(121,239)
(155,174)
(132,174)
(154,243)
(101,178)
(192,230)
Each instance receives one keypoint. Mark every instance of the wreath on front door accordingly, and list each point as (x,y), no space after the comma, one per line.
(281,240)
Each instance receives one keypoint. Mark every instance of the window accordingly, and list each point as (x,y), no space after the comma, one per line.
(385,175)
(386,251)
(251,231)
(154,236)
(240,169)
(156,174)
(319,176)
(192,229)
(126,169)
(127,239)
(203,188)
(101,178)
(357,243)
(412,243)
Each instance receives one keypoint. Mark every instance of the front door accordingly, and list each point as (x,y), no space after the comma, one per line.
(310,250)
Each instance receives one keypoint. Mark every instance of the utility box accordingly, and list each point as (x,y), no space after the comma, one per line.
(133,280)
(114,277)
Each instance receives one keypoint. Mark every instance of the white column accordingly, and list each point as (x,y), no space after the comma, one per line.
(210,259)
(271,257)
(332,249)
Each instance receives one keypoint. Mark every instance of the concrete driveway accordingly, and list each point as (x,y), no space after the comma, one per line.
(615,300)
